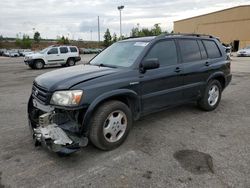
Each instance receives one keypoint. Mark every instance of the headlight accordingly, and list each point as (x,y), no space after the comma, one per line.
(66,98)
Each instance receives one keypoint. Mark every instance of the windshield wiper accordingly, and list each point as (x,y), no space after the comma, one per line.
(106,65)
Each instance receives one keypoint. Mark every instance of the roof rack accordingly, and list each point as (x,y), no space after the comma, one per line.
(187,34)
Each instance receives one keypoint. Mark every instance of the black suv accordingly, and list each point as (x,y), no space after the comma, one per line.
(126,81)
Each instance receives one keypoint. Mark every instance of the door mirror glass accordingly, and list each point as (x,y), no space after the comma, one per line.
(149,64)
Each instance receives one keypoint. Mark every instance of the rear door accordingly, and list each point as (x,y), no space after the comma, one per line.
(161,87)
(195,69)
(64,54)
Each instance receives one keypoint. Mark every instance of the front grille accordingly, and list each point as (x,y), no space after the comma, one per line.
(40,93)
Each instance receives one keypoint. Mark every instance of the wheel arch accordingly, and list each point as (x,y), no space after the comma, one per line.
(220,76)
(128,97)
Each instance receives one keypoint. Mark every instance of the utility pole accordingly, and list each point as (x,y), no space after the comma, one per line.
(98,20)
(120,9)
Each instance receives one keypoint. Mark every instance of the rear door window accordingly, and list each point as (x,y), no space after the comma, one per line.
(189,50)
(202,49)
(212,49)
(165,52)
(63,50)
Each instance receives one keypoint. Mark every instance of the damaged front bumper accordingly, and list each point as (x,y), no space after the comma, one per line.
(55,130)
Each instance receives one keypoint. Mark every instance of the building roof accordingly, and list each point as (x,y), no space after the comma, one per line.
(213,12)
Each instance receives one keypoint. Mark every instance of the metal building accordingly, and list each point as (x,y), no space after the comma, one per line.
(231,26)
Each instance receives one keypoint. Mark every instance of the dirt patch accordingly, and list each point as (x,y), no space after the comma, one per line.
(194,161)
(1,185)
(147,174)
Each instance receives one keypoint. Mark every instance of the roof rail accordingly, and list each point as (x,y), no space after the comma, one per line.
(187,34)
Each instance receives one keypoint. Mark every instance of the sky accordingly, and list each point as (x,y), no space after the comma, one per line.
(76,19)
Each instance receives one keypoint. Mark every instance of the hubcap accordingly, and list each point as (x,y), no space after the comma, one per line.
(213,95)
(39,65)
(115,126)
(71,63)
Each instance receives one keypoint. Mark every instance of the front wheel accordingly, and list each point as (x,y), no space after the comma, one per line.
(110,125)
(39,64)
(212,96)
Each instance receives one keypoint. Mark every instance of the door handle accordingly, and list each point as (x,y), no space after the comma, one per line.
(177,69)
(207,63)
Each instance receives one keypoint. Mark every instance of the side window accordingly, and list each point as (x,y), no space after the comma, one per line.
(63,50)
(165,51)
(73,49)
(202,49)
(212,49)
(53,51)
(189,50)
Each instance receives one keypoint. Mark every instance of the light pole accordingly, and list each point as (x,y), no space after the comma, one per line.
(120,9)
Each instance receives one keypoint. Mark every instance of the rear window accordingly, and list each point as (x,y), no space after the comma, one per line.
(189,50)
(212,49)
(63,50)
(73,49)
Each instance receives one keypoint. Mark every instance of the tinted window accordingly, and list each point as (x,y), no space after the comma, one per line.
(189,50)
(212,49)
(202,49)
(64,50)
(73,49)
(165,51)
(53,51)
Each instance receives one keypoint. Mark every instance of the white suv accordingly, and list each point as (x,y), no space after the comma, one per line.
(64,55)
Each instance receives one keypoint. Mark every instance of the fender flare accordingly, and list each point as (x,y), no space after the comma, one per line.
(120,92)
(216,74)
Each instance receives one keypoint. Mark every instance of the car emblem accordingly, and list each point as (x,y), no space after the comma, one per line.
(36,92)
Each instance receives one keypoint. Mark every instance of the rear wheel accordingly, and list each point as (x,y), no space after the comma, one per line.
(212,96)
(71,62)
(39,64)
(110,125)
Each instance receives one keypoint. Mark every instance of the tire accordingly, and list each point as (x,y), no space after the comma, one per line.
(212,96)
(39,64)
(71,62)
(110,125)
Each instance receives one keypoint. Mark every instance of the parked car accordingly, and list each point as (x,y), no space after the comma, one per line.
(63,55)
(91,50)
(24,52)
(11,53)
(2,51)
(244,51)
(126,81)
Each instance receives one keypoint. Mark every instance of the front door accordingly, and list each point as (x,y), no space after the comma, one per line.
(53,56)
(161,87)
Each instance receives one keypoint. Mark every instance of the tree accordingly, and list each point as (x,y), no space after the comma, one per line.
(1,37)
(25,42)
(107,38)
(63,40)
(114,38)
(156,30)
(37,37)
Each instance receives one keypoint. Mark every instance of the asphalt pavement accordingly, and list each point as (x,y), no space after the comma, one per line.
(179,147)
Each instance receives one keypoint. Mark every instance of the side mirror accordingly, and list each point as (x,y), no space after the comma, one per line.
(149,64)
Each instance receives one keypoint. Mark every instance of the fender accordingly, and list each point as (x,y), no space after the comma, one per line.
(216,74)
(120,92)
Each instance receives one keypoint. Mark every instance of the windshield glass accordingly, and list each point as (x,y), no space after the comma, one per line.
(43,51)
(120,54)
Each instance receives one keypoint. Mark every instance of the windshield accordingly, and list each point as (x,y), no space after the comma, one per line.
(43,51)
(120,54)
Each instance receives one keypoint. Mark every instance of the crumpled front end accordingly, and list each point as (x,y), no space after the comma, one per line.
(59,130)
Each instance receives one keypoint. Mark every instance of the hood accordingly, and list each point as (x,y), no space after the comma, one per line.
(33,55)
(65,78)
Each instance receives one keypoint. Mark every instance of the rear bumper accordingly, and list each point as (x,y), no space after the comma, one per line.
(77,58)
(228,79)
